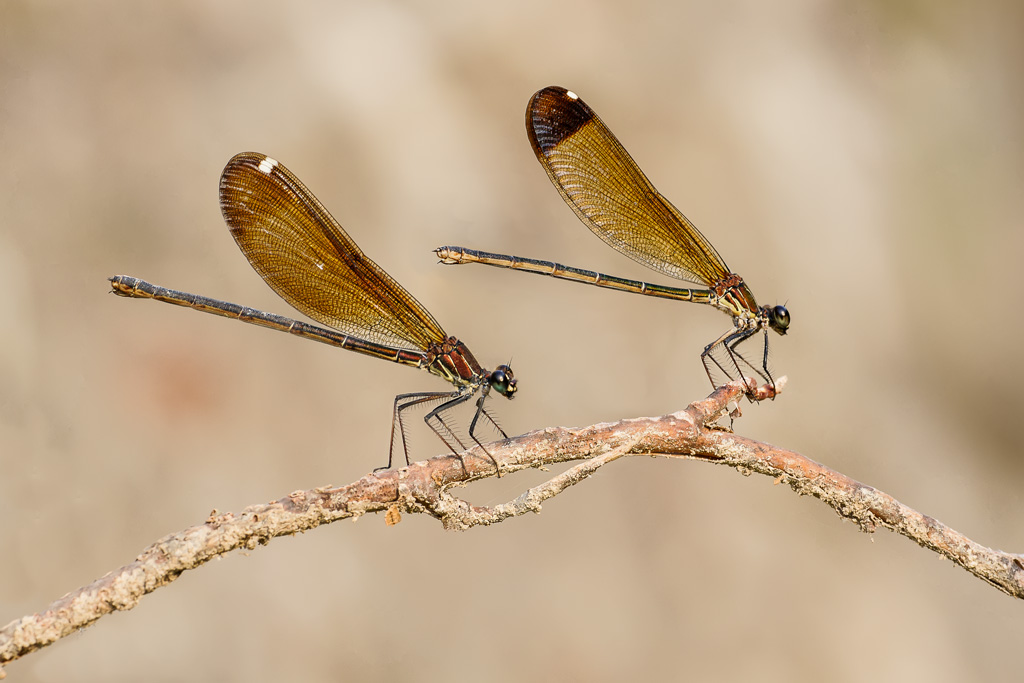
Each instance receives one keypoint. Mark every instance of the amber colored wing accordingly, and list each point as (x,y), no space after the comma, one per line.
(610,194)
(299,249)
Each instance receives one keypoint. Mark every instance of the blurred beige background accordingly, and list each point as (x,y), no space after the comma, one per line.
(861,162)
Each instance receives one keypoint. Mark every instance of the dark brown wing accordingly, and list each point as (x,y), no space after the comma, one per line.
(310,261)
(610,194)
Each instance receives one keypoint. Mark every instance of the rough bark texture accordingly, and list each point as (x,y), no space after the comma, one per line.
(423,488)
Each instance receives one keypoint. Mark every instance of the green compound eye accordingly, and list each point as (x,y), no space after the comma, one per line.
(503,380)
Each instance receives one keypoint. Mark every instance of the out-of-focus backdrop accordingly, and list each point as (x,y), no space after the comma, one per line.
(861,163)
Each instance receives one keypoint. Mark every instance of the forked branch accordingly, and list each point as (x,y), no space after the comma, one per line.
(424,487)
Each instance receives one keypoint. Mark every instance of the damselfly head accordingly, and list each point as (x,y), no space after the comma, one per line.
(778,319)
(503,380)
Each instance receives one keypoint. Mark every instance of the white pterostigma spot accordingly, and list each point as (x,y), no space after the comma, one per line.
(571,95)
(267,165)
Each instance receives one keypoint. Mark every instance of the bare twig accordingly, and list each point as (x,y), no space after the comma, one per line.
(424,487)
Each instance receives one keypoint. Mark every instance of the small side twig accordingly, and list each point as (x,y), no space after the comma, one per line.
(425,487)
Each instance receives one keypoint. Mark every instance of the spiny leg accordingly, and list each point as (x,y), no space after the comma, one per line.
(404,401)
(765,364)
(709,354)
(767,374)
(476,416)
(729,341)
(441,427)
(437,415)
(480,410)
(494,422)
(737,356)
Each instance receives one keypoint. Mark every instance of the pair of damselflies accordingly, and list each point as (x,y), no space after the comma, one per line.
(305,256)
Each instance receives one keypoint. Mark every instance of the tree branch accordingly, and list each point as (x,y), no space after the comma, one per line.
(423,487)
